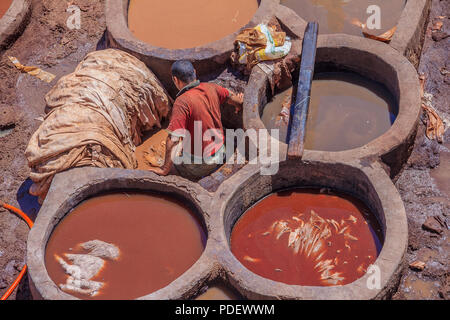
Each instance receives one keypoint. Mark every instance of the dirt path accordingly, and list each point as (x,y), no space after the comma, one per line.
(423,195)
(48,43)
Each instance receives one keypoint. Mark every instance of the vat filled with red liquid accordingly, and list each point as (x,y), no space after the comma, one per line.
(158,236)
(308,238)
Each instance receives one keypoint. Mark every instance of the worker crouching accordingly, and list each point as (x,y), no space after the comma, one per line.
(195,145)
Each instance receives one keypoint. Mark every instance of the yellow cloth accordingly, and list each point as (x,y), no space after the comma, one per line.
(34,71)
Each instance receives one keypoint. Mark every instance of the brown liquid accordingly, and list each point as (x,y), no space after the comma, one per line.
(4,6)
(346,111)
(219,292)
(272,116)
(152,151)
(158,236)
(353,241)
(179,24)
(441,174)
(335,16)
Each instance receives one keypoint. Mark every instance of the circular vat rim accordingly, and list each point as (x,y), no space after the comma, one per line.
(117,25)
(70,188)
(253,187)
(408,37)
(14,21)
(371,59)
(209,59)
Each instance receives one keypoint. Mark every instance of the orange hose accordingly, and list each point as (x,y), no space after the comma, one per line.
(24,269)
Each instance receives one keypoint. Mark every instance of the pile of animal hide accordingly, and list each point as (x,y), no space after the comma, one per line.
(96,117)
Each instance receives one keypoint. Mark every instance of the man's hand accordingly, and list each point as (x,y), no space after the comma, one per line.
(236,100)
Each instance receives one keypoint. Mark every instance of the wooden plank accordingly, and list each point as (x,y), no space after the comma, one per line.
(300,108)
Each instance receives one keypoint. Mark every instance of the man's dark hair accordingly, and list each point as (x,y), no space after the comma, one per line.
(184,71)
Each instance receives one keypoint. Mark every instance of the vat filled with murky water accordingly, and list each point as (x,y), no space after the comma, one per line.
(155,239)
(365,103)
(305,237)
(179,24)
(346,111)
(345,16)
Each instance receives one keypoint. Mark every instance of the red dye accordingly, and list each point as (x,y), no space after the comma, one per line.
(303,237)
(159,239)
(4,6)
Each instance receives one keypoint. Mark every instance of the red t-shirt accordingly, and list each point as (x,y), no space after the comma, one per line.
(201,103)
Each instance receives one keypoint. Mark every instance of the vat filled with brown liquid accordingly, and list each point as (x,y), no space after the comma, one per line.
(303,237)
(346,111)
(345,16)
(219,291)
(4,6)
(179,24)
(157,238)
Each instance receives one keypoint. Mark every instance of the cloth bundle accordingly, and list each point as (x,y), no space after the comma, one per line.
(261,43)
(97,116)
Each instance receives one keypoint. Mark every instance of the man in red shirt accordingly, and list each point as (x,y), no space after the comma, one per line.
(196,122)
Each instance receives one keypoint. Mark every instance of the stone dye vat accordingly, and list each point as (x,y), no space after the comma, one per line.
(372,62)
(14,17)
(178,24)
(207,46)
(263,230)
(157,238)
(219,213)
(342,16)
(346,111)
(154,234)
(304,237)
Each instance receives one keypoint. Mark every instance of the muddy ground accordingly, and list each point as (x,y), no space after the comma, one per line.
(48,43)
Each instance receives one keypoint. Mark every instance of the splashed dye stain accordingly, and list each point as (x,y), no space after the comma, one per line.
(302,237)
(346,111)
(4,6)
(159,238)
(340,16)
(152,151)
(180,24)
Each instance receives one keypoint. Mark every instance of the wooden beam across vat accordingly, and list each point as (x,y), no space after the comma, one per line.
(300,108)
